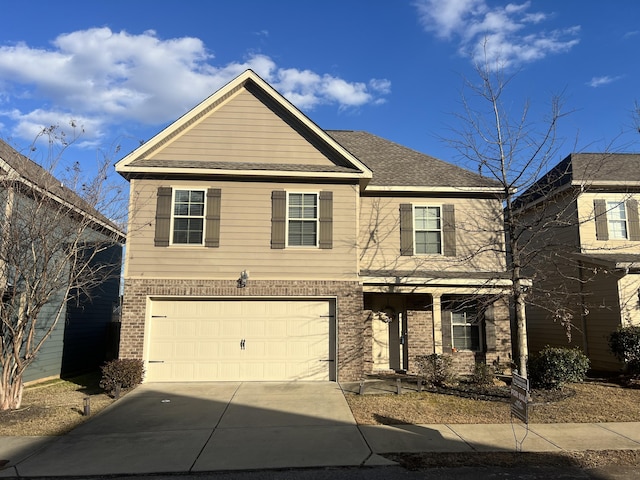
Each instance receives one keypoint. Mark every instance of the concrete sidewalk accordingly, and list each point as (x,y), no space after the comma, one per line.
(180,428)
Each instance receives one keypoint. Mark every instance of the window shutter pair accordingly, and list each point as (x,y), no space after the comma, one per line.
(279,219)
(448,230)
(163,217)
(602,226)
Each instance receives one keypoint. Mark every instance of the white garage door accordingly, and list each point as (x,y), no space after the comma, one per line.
(263,340)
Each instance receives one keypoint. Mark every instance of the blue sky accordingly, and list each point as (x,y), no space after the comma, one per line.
(124,69)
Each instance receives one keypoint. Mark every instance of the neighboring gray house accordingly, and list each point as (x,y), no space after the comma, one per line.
(79,341)
(587,263)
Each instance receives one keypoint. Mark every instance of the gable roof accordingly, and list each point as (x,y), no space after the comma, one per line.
(17,167)
(398,168)
(586,170)
(345,165)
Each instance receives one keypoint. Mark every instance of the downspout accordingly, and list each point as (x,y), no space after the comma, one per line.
(583,310)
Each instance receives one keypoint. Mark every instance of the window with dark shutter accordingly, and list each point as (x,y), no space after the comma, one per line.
(633,220)
(163,217)
(406,229)
(600,210)
(212,220)
(278,218)
(446,331)
(326,220)
(449,230)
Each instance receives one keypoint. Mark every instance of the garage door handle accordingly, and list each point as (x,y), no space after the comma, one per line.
(326,360)
(156,361)
(242,344)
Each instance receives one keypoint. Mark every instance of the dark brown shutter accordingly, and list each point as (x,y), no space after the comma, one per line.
(446,331)
(212,225)
(449,230)
(600,209)
(490,332)
(632,220)
(163,217)
(406,229)
(278,218)
(326,220)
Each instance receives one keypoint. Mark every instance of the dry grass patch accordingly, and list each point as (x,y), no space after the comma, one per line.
(54,408)
(580,403)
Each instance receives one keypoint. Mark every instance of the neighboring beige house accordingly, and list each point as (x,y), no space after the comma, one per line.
(262,247)
(587,270)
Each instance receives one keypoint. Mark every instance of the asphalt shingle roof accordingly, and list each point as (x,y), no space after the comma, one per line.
(587,169)
(36,175)
(395,165)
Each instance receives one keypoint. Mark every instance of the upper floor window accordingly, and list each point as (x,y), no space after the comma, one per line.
(465,330)
(188,217)
(302,219)
(617,219)
(427,230)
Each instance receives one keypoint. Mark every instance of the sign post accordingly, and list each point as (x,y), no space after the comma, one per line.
(520,397)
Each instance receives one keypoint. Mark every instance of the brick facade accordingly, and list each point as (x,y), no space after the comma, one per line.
(419,336)
(353,334)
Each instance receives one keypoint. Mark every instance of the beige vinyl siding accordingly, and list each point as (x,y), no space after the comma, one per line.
(242,129)
(245,236)
(629,294)
(589,243)
(478,233)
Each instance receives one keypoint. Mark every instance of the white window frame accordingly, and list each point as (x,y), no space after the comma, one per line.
(315,220)
(438,230)
(474,323)
(614,233)
(174,216)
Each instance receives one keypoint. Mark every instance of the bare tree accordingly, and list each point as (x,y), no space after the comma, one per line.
(514,151)
(54,248)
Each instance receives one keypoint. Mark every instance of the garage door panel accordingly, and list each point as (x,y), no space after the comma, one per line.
(201,340)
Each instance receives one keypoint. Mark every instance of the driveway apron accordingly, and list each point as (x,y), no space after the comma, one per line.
(183,427)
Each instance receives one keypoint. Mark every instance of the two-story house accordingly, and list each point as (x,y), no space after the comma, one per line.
(586,257)
(262,247)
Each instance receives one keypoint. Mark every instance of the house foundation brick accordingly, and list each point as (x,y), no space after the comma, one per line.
(419,336)
(353,335)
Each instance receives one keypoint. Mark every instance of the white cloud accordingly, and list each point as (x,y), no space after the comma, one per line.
(596,82)
(502,34)
(103,77)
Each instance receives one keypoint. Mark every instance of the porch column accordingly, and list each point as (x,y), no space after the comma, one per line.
(437,324)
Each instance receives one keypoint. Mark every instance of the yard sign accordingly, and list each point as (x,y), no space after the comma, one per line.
(520,397)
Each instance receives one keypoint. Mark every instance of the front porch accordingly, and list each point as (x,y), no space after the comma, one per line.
(472,325)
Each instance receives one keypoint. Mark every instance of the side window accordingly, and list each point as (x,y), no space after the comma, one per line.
(427,230)
(617,220)
(466,330)
(302,220)
(188,217)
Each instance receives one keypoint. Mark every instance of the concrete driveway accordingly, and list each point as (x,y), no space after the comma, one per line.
(192,427)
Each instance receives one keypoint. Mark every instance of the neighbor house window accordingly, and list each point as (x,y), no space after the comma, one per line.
(302,219)
(465,330)
(617,220)
(188,217)
(427,230)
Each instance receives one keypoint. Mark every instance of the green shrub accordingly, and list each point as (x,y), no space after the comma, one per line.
(121,373)
(624,343)
(554,367)
(483,374)
(435,369)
